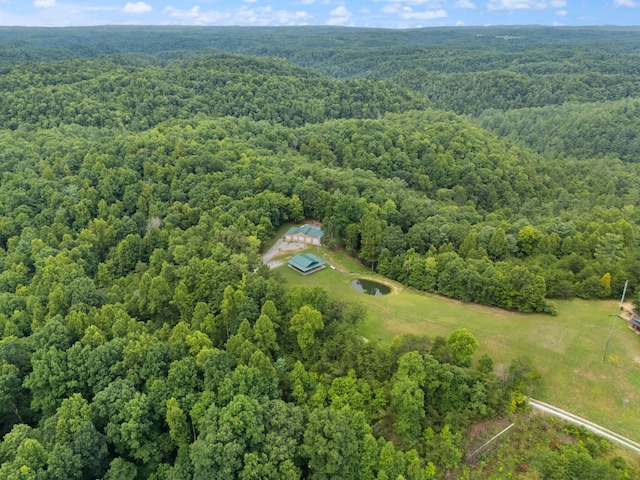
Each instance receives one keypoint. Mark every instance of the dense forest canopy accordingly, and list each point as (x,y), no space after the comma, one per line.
(143,170)
(530,66)
(587,130)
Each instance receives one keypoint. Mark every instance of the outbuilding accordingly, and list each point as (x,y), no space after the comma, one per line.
(306,263)
(305,233)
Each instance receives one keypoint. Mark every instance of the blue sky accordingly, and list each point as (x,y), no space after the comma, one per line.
(359,13)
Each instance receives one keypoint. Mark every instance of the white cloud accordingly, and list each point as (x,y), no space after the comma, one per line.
(460,23)
(626,3)
(408,14)
(292,18)
(179,13)
(339,16)
(44,3)
(523,4)
(558,3)
(251,16)
(340,11)
(139,7)
(243,15)
(365,11)
(561,13)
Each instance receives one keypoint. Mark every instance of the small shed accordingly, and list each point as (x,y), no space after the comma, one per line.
(634,324)
(306,263)
(305,233)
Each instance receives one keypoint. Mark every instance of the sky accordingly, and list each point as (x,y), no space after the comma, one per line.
(356,13)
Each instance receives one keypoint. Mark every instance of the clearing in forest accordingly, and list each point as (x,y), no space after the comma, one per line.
(566,349)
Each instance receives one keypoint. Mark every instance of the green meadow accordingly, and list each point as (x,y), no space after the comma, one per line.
(568,349)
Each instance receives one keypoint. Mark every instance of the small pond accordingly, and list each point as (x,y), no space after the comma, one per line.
(370,287)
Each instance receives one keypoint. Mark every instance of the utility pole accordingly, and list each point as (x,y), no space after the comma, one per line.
(614,315)
(624,292)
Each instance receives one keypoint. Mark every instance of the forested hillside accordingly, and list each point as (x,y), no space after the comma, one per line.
(132,93)
(141,337)
(581,130)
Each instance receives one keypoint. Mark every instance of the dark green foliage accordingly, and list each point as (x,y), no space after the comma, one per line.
(217,85)
(140,336)
(574,129)
(332,442)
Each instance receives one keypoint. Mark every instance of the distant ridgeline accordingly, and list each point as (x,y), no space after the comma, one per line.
(464,69)
(143,169)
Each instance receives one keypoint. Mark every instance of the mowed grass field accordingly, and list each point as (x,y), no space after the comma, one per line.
(567,349)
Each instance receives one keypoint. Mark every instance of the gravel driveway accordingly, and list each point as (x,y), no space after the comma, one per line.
(279,248)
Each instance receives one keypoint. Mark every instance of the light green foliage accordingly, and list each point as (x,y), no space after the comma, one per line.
(156,297)
(469,244)
(177,421)
(137,426)
(93,336)
(370,235)
(528,239)
(229,309)
(51,379)
(442,448)
(462,345)
(392,463)
(332,443)
(306,323)
(265,335)
(198,342)
(269,309)
(73,412)
(411,365)
(296,209)
(407,400)
(606,284)
(350,391)
(303,383)
(498,248)
(178,344)
(610,248)
(262,363)
(240,346)
(249,381)
(183,300)
(120,469)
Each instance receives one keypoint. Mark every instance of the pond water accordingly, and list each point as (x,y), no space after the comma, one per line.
(370,287)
